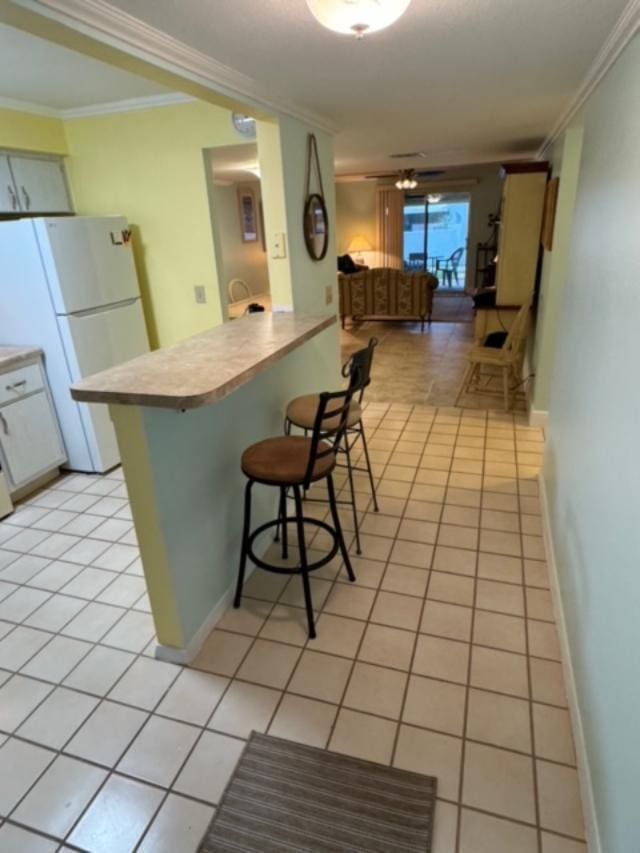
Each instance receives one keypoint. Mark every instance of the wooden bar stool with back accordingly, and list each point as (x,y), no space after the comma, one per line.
(301,413)
(294,462)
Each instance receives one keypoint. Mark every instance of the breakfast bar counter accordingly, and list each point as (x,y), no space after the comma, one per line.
(183,416)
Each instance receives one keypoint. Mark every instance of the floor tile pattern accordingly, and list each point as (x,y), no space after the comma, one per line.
(424,367)
(442,658)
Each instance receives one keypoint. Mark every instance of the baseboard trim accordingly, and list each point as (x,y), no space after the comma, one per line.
(592,831)
(538,418)
(172,655)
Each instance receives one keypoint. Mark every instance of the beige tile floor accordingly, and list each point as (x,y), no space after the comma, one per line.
(420,367)
(442,658)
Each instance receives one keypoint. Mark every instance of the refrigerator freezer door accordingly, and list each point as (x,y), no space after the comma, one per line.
(94,342)
(88,261)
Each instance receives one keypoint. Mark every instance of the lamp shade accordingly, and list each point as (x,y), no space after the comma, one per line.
(357,17)
(359,244)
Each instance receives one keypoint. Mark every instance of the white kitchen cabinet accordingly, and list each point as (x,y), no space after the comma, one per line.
(29,438)
(8,197)
(40,184)
(30,442)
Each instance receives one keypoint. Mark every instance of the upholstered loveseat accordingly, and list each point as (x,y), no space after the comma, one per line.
(386,294)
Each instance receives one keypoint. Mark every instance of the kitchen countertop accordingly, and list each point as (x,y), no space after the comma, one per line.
(205,368)
(11,357)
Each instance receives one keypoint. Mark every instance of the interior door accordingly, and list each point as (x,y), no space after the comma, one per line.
(89,261)
(9,202)
(40,184)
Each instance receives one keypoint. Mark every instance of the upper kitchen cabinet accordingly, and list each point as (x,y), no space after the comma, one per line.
(8,197)
(33,185)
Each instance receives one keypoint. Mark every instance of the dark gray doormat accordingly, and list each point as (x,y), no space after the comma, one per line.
(285,796)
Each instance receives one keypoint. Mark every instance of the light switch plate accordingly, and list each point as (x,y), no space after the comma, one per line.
(200,294)
(279,245)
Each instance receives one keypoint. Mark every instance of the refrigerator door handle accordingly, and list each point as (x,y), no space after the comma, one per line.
(88,312)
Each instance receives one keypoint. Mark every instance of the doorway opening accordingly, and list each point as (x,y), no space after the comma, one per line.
(436,236)
(238,229)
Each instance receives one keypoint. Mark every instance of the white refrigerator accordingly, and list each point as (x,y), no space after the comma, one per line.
(69,286)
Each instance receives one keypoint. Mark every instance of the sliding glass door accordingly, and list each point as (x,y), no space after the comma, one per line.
(436,231)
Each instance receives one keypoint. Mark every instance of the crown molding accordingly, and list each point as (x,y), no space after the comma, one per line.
(626,27)
(28,107)
(101,21)
(130,105)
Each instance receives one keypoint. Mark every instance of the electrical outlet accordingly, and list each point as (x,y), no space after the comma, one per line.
(200,294)
(328,294)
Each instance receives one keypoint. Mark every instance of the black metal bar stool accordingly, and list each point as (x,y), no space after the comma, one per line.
(301,413)
(294,462)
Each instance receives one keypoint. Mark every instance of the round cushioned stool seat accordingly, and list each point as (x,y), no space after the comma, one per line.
(283,461)
(302,413)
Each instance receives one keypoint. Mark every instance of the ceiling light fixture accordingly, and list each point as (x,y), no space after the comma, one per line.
(357,17)
(406,180)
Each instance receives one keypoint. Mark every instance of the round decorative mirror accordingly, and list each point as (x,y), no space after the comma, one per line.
(316,227)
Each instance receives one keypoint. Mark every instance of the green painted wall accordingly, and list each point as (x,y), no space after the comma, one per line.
(592,462)
(199,487)
(565,162)
(297,282)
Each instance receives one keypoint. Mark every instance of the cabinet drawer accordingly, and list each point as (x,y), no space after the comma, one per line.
(16,383)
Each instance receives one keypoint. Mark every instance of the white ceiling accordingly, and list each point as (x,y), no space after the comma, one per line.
(37,72)
(461,80)
(233,163)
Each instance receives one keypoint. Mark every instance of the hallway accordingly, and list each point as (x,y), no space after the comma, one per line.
(420,368)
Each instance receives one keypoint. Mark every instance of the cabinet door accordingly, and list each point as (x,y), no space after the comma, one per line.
(9,202)
(29,438)
(40,184)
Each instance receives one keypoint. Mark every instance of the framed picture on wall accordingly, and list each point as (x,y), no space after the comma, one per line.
(248,215)
(549,215)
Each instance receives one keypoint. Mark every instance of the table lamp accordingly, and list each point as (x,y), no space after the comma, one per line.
(359,244)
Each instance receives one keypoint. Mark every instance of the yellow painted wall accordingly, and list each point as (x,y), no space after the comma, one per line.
(356,206)
(150,167)
(28,132)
